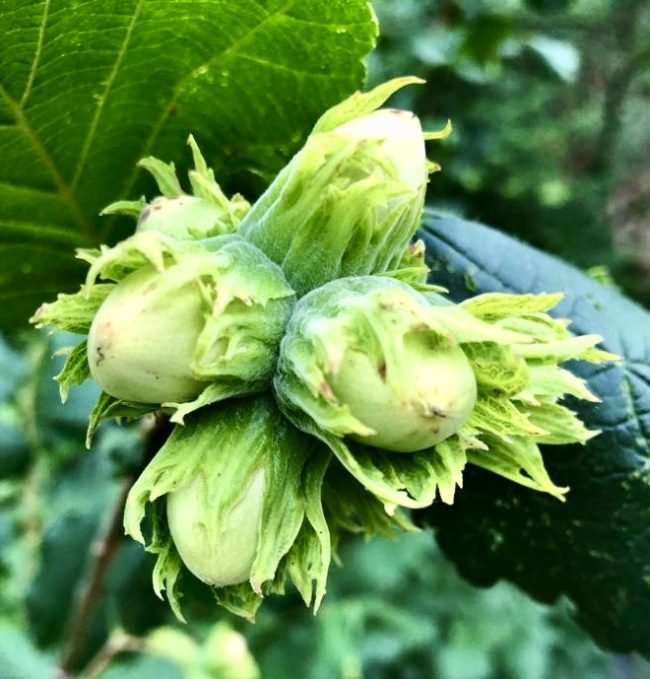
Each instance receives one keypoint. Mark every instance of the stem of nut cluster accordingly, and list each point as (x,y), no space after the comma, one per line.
(117,643)
(103,551)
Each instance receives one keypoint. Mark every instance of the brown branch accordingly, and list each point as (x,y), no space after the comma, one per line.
(117,643)
(626,30)
(102,553)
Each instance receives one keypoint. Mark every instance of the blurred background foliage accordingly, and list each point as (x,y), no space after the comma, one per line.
(394,609)
(549,101)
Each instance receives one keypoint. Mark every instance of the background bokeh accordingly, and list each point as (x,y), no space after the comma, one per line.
(549,100)
(550,105)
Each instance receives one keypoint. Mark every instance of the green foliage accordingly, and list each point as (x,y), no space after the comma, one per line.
(595,548)
(542,146)
(85,93)
(393,610)
(546,101)
(51,509)
(14,447)
(388,616)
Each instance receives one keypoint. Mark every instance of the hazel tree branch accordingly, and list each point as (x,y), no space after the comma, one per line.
(102,554)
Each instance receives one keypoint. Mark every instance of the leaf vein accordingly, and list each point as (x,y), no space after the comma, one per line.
(284,67)
(92,130)
(128,184)
(37,229)
(37,55)
(63,188)
(40,191)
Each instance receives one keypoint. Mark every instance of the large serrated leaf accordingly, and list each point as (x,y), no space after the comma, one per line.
(88,88)
(595,547)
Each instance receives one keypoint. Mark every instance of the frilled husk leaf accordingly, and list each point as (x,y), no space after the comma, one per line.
(339,207)
(246,304)
(73,313)
(205,213)
(514,348)
(226,445)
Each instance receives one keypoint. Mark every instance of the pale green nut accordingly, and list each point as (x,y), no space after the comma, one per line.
(401,141)
(183,217)
(364,357)
(442,392)
(207,212)
(219,554)
(142,340)
(192,321)
(350,201)
(236,493)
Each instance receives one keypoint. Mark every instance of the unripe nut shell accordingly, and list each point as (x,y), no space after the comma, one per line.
(142,340)
(441,395)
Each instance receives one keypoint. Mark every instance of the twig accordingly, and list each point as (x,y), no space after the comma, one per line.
(117,643)
(102,553)
(618,83)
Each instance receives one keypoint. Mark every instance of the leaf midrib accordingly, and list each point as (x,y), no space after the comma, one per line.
(102,99)
(66,190)
(37,54)
(210,63)
(63,188)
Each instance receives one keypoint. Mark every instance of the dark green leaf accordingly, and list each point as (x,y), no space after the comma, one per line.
(14,451)
(595,547)
(87,89)
(76,499)
(129,589)
(12,369)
